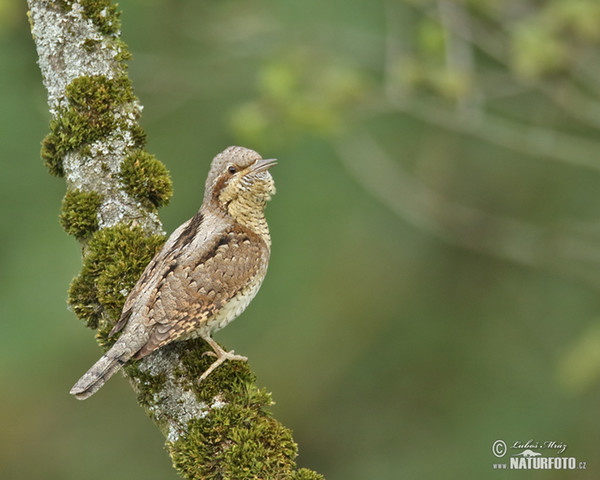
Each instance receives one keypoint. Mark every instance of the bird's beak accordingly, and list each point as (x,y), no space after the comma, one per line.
(262,165)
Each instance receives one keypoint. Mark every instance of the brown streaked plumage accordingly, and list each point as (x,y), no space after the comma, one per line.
(205,275)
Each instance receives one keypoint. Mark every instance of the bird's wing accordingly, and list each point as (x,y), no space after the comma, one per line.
(199,283)
(158,267)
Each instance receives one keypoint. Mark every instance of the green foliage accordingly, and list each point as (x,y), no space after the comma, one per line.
(115,259)
(431,38)
(578,19)
(446,53)
(546,42)
(537,51)
(90,116)
(301,91)
(79,215)
(427,70)
(146,179)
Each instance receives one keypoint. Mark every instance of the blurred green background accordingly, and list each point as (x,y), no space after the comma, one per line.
(434,279)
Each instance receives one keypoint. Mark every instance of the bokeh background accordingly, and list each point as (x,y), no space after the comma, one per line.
(436,232)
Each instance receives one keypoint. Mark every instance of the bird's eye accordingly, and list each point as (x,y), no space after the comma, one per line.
(231,169)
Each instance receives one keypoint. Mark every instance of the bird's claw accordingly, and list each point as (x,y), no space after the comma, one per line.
(221,358)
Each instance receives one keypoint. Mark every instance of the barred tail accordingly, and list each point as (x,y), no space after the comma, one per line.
(102,370)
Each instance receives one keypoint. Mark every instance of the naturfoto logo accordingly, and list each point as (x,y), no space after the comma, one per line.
(529,458)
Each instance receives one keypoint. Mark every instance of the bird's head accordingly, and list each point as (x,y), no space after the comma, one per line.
(239,182)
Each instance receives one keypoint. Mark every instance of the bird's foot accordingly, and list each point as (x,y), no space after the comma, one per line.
(222,356)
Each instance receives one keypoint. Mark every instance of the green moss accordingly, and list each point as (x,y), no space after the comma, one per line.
(138,136)
(91,44)
(83,300)
(116,257)
(123,53)
(101,12)
(235,441)
(146,179)
(147,384)
(230,380)
(92,99)
(95,95)
(67,132)
(238,438)
(89,117)
(79,215)
(85,151)
(64,5)
(306,474)
(51,152)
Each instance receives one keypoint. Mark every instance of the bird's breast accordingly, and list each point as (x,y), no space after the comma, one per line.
(235,306)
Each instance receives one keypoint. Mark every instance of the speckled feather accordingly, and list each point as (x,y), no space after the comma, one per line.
(194,290)
(205,275)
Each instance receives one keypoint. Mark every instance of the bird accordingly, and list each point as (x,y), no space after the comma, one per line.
(205,275)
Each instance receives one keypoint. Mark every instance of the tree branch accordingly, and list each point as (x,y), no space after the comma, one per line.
(534,140)
(565,249)
(114,188)
(579,103)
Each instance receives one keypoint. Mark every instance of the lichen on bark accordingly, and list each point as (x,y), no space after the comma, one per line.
(114,187)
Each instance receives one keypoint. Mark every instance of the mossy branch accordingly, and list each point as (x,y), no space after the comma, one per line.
(114,187)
